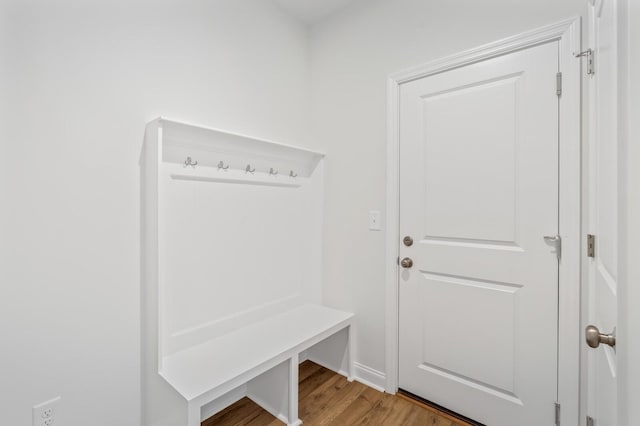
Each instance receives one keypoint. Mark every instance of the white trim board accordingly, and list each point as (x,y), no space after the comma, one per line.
(567,34)
(326,365)
(370,377)
(362,373)
(223,402)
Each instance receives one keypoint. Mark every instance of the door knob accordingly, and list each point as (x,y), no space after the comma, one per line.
(594,337)
(406,262)
(408,241)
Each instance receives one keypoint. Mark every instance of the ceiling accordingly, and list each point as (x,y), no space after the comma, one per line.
(312,11)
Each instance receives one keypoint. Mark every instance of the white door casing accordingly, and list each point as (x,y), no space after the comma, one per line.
(566,33)
(603,271)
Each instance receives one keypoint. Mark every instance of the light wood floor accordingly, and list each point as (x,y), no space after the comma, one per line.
(327,398)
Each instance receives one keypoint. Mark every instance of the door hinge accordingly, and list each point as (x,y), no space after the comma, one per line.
(590,421)
(559,84)
(589,55)
(557,414)
(591,245)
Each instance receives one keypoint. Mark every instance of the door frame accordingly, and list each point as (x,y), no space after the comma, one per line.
(567,33)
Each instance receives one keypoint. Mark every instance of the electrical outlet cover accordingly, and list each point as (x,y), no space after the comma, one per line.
(47,413)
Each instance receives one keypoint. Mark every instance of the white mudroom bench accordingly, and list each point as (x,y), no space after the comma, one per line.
(247,359)
(232,274)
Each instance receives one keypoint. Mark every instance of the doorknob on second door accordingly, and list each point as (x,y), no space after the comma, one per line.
(594,337)
(406,262)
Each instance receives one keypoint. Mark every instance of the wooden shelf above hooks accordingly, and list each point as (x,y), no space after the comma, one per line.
(209,147)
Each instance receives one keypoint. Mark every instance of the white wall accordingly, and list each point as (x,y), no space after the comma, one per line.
(79,80)
(351,56)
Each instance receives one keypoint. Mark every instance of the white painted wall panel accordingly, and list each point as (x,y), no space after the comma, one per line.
(78,82)
(232,248)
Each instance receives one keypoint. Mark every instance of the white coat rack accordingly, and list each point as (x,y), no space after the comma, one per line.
(232,241)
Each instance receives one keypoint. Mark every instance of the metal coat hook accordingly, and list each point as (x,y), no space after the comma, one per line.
(248,169)
(293,175)
(190,162)
(273,172)
(221,166)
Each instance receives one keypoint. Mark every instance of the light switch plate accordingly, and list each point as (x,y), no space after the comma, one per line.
(375,220)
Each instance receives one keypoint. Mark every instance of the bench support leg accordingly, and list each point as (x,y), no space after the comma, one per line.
(293,391)
(351,359)
(193,415)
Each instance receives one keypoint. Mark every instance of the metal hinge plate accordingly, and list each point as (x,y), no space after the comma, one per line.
(557,414)
(559,84)
(590,421)
(591,245)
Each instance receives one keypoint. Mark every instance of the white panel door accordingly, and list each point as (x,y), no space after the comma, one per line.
(603,213)
(478,194)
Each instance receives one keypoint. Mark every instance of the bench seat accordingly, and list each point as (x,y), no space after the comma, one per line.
(206,372)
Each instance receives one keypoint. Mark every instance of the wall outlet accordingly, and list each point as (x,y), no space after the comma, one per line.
(47,413)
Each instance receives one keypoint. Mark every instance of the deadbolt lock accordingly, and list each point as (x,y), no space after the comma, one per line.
(408,241)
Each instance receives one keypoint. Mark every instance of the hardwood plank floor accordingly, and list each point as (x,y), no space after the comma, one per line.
(326,398)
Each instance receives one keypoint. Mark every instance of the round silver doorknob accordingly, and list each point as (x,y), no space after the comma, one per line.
(594,337)
(406,262)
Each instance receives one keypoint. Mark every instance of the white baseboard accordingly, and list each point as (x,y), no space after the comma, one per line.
(223,402)
(371,377)
(366,375)
(327,366)
(270,409)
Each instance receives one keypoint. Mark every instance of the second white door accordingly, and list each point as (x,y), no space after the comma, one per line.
(478,196)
